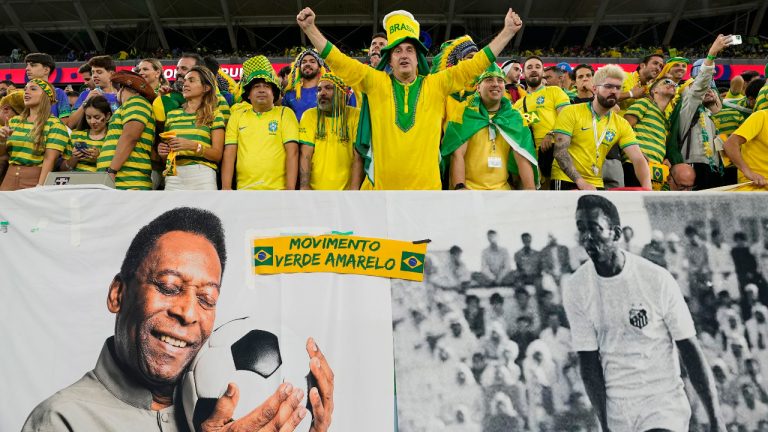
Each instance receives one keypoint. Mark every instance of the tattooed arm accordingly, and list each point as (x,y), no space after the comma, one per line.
(562,142)
(305,166)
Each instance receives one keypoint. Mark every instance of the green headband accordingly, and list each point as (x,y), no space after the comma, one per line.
(47,88)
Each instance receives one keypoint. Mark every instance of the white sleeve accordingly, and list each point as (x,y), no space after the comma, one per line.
(583,334)
(676,315)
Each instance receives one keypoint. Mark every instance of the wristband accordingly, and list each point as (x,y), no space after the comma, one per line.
(459,186)
(631,95)
(109,170)
(711,57)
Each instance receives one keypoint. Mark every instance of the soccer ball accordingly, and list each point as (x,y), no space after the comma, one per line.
(235,352)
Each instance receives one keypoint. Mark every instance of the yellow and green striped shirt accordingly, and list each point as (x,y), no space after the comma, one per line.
(84,137)
(135,172)
(727,120)
(652,129)
(185,126)
(761,102)
(21,148)
(166,103)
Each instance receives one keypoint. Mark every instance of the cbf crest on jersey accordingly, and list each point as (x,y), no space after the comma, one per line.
(273,126)
(540,100)
(638,317)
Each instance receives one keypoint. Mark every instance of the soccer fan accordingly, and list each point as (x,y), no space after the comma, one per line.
(41,66)
(102,70)
(6,87)
(558,76)
(378,42)
(11,105)
(328,160)
(451,53)
(152,71)
(583,74)
(747,148)
(175,99)
(729,117)
(681,178)
(86,142)
(585,133)
(697,131)
(635,84)
(226,86)
(540,108)
(261,143)
(629,322)
(739,84)
(34,139)
(399,135)
(193,152)
(125,154)
(512,72)
(87,75)
(486,140)
(648,118)
(301,92)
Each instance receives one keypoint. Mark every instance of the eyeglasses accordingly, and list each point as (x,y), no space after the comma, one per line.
(682,187)
(611,87)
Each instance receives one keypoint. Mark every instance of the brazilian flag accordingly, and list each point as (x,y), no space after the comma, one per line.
(412,262)
(263,256)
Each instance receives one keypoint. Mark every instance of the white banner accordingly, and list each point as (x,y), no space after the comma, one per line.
(61,250)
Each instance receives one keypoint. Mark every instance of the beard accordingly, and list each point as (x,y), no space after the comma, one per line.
(607,102)
(533,81)
(309,75)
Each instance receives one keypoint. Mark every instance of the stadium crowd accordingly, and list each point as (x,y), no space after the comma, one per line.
(489,350)
(396,122)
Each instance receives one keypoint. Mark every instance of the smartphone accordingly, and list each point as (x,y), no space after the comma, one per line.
(81,146)
(735,40)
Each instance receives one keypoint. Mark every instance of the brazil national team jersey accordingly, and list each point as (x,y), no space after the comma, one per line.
(576,122)
(260,139)
(539,109)
(652,128)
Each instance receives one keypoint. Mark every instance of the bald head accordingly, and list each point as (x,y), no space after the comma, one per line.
(682,177)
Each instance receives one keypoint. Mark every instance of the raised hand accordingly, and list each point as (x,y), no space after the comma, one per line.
(512,21)
(306,18)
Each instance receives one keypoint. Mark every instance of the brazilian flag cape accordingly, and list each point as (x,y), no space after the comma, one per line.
(507,124)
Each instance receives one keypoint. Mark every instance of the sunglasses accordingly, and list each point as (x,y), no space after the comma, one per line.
(668,81)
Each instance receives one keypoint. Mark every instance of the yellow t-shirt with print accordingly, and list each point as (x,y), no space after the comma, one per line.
(406,158)
(576,122)
(260,139)
(755,150)
(332,159)
(485,162)
(539,110)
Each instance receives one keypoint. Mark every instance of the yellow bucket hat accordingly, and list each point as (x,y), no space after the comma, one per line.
(400,26)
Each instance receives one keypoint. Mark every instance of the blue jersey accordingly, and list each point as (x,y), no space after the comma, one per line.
(308,100)
(111,98)
(61,108)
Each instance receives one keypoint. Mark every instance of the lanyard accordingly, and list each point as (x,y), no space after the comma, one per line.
(594,132)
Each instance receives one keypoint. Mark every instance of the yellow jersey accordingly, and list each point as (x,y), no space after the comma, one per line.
(333,157)
(539,110)
(755,150)
(260,139)
(588,156)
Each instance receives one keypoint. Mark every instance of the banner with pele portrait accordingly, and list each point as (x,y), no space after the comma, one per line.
(419,311)
(129,294)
